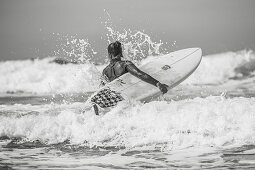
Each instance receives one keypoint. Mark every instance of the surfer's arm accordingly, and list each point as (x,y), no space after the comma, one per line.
(132,69)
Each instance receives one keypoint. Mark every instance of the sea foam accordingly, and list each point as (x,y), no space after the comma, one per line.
(44,76)
(210,121)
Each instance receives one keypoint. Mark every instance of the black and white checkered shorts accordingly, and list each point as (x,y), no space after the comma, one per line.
(107,98)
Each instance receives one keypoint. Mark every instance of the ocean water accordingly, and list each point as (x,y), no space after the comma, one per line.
(205,122)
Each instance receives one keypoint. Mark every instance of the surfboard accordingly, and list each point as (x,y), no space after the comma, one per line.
(170,69)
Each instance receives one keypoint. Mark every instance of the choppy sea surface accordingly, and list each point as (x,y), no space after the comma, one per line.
(205,122)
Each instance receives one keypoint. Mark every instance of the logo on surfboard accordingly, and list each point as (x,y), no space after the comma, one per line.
(165,67)
(120,82)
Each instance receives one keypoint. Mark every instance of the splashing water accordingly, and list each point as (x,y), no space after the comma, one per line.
(137,45)
(74,48)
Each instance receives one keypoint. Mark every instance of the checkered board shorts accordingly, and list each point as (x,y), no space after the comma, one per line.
(107,98)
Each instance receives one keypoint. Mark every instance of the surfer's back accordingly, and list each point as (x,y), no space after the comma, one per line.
(116,69)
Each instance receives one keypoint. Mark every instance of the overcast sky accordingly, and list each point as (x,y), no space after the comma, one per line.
(27,26)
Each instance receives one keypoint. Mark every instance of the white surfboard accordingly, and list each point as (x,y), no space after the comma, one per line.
(170,69)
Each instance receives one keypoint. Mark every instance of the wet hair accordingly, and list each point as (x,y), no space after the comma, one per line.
(114,49)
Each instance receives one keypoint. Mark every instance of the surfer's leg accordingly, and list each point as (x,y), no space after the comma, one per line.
(95,109)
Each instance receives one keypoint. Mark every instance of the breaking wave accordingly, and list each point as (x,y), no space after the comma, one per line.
(44,76)
(210,121)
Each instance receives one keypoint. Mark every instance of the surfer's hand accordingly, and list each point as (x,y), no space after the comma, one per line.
(162,87)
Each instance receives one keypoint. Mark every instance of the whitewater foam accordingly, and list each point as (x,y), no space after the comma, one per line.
(211,121)
(219,68)
(42,76)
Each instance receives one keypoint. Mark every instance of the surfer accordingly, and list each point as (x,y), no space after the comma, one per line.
(118,67)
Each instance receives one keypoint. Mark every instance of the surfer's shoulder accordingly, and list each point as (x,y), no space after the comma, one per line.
(127,62)
(106,68)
